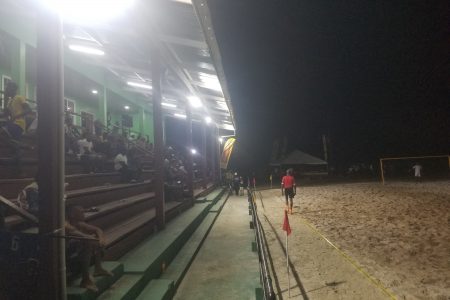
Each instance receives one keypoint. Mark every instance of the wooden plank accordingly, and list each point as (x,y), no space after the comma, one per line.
(21,212)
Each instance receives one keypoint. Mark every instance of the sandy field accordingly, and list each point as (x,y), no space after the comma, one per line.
(399,233)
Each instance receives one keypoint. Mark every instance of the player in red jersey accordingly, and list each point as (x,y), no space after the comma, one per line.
(288,189)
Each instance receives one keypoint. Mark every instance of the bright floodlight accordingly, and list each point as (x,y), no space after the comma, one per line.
(168,104)
(180,116)
(193,151)
(208,119)
(210,81)
(126,107)
(86,49)
(95,92)
(195,101)
(88,11)
(139,85)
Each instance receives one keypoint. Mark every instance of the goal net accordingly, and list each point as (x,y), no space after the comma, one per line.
(407,168)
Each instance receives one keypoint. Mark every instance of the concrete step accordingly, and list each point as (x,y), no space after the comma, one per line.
(157,289)
(120,210)
(75,292)
(124,288)
(219,203)
(179,266)
(94,196)
(123,236)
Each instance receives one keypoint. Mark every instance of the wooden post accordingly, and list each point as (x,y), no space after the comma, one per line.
(189,146)
(381,170)
(158,139)
(212,158)
(50,178)
(204,157)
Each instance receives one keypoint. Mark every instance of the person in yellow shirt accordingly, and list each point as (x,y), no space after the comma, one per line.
(18,109)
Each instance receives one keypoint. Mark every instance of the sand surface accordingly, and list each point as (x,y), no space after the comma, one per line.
(399,233)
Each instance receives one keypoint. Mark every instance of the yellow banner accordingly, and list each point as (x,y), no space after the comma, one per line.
(227,149)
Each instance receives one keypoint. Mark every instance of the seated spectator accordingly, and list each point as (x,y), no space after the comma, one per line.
(91,243)
(85,145)
(92,161)
(134,164)
(28,198)
(17,110)
(121,165)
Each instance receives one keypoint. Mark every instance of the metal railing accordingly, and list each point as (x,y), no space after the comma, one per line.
(261,245)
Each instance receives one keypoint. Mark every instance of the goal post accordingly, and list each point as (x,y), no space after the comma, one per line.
(400,167)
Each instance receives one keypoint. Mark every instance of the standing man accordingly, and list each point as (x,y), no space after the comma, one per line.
(288,189)
(417,171)
(236,183)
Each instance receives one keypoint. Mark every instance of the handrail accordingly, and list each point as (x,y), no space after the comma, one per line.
(266,279)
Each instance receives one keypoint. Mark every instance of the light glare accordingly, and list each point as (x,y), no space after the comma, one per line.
(208,120)
(168,105)
(180,116)
(139,85)
(126,107)
(88,11)
(195,101)
(95,92)
(86,49)
(193,151)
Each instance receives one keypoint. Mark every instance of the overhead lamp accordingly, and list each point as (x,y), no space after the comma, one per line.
(86,49)
(95,92)
(126,107)
(180,116)
(208,119)
(220,139)
(88,11)
(210,81)
(140,85)
(195,101)
(193,151)
(168,104)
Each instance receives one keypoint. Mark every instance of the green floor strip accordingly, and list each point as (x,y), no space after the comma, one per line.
(157,289)
(125,288)
(151,250)
(219,204)
(180,264)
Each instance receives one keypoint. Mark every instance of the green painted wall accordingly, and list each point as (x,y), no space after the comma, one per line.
(23,33)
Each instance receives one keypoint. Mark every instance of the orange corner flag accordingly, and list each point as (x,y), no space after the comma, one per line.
(286,226)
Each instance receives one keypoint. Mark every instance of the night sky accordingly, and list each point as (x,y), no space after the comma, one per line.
(372,75)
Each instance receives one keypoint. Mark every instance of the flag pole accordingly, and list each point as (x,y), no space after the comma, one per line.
(287,264)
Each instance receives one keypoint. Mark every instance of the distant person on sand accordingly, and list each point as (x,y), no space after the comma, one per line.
(288,189)
(417,171)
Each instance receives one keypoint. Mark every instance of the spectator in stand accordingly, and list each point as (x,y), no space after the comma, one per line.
(121,165)
(134,164)
(90,242)
(85,145)
(93,162)
(17,110)
(71,135)
(150,147)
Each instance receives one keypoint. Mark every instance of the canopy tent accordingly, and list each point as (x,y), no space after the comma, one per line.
(302,163)
(298,157)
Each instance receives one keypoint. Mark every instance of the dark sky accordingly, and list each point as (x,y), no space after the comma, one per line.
(373,75)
